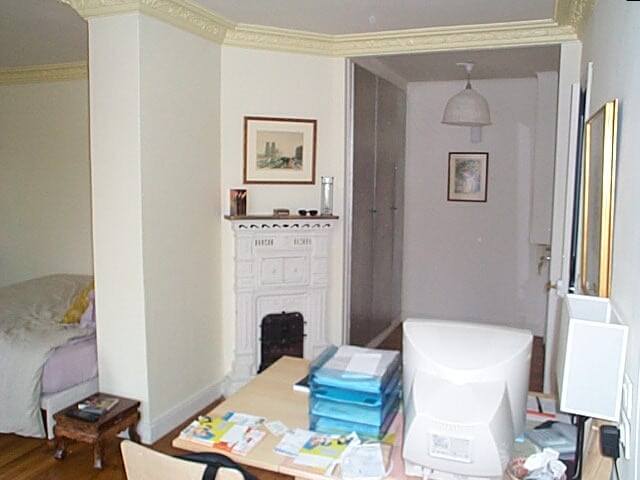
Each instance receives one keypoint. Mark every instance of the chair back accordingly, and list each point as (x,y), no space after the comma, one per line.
(142,463)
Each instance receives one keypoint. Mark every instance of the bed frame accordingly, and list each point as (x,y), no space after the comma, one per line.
(52,403)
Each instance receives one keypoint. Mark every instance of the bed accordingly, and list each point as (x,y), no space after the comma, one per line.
(44,363)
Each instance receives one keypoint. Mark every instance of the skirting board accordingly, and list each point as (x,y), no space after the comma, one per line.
(384,334)
(150,432)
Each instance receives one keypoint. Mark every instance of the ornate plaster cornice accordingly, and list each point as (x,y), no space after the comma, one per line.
(508,34)
(43,73)
(192,17)
(574,13)
(181,13)
(271,38)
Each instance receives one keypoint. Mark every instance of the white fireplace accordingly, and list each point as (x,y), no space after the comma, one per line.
(281,265)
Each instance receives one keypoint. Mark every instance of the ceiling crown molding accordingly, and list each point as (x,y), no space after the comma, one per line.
(183,14)
(467,37)
(43,73)
(574,13)
(508,34)
(194,18)
(272,38)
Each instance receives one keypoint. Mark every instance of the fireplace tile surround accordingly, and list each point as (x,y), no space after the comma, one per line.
(280,265)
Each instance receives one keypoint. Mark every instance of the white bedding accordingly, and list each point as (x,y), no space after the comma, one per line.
(30,328)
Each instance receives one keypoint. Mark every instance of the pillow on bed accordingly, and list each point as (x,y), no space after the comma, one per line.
(78,305)
(88,318)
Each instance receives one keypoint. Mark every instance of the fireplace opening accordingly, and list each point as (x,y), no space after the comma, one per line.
(281,334)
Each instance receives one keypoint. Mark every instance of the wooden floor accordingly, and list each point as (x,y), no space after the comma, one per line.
(32,459)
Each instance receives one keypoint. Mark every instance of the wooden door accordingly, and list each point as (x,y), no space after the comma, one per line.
(364,141)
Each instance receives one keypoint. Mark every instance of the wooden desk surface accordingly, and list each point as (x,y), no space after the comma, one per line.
(269,395)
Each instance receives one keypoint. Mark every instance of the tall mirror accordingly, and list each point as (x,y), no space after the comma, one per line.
(598,195)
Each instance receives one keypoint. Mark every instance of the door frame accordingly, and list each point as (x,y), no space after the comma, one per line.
(568,75)
(348,200)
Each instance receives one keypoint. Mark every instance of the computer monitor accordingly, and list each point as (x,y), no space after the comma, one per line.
(465,393)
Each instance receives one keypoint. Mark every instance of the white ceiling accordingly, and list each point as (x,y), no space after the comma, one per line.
(359,16)
(37,32)
(502,63)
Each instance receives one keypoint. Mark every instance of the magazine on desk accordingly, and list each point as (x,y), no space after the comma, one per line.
(315,450)
(221,434)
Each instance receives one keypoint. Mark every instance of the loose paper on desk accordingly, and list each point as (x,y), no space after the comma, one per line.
(292,442)
(234,434)
(249,440)
(276,427)
(243,419)
(366,363)
(363,462)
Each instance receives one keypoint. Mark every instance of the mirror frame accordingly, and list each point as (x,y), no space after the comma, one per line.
(596,279)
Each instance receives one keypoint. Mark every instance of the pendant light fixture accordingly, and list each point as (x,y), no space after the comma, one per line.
(467,108)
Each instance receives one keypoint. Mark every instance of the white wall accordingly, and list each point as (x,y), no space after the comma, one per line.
(45,200)
(612,42)
(114,59)
(472,261)
(180,102)
(155,154)
(544,158)
(259,82)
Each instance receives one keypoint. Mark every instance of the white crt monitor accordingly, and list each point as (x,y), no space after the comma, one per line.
(465,394)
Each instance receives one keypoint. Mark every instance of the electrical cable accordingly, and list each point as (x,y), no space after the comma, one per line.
(615,464)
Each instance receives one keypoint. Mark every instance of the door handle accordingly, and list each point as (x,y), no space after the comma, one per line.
(543,259)
(550,285)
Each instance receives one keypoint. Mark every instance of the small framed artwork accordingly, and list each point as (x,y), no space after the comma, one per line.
(279,150)
(468,176)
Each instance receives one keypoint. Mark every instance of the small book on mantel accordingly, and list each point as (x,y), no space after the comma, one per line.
(98,404)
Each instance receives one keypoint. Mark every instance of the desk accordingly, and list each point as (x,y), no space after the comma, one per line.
(271,395)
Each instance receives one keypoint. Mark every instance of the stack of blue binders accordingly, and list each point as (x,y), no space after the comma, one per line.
(355,389)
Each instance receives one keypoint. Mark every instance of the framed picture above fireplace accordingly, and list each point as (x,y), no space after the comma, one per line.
(279,150)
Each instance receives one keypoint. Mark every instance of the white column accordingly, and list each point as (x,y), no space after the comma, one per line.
(155,103)
(114,89)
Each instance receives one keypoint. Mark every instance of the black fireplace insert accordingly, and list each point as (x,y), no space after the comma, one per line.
(281,334)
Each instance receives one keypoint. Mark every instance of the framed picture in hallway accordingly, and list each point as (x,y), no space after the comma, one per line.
(279,150)
(468,176)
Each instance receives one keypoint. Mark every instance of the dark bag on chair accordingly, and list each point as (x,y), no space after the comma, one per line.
(215,461)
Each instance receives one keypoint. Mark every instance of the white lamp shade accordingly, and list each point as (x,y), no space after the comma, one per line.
(467,108)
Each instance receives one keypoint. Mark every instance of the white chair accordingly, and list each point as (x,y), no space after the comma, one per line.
(142,463)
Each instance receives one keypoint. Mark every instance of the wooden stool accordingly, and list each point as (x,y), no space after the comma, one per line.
(124,415)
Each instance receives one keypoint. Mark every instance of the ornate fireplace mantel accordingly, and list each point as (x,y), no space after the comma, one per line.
(280,265)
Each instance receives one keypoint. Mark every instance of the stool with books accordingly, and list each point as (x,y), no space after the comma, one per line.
(93,420)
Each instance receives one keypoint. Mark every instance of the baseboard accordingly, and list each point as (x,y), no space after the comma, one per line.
(156,429)
(385,333)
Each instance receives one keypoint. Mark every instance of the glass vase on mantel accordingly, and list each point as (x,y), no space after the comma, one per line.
(326,196)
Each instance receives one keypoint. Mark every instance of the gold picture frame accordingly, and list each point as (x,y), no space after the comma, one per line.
(598,195)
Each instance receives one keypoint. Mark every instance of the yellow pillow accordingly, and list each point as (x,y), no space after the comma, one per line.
(78,305)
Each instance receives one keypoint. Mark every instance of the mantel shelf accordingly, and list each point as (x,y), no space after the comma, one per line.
(280,217)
